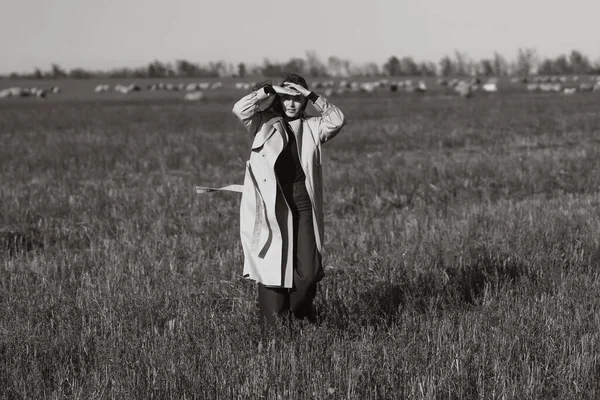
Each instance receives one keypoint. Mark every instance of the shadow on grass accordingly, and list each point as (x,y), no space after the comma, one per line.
(383,302)
(14,242)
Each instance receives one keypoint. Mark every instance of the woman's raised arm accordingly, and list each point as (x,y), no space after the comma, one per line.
(246,108)
(332,119)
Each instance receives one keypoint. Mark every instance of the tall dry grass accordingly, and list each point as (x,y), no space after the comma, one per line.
(462,254)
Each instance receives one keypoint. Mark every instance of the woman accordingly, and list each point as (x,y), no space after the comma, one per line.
(281,212)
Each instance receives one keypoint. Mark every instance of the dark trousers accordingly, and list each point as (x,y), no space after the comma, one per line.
(273,302)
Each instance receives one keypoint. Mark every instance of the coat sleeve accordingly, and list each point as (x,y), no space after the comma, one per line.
(332,119)
(246,110)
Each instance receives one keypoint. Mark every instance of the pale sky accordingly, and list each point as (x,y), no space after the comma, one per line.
(117,33)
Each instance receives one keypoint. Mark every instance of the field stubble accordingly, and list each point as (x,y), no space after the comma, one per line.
(462,254)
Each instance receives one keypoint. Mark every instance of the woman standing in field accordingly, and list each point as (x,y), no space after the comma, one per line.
(281,212)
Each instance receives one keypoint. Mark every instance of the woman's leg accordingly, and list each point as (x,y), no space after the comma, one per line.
(273,302)
(308,270)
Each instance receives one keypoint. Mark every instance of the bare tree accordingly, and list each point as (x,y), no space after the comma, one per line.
(57,72)
(409,67)
(500,65)
(527,60)
(186,68)
(222,68)
(334,66)
(80,73)
(271,69)
(372,69)
(314,65)
(393,66)
(462,63)
(562,65)
(486,67)
(595,67)
(241,70)
(295,65)
(366,69)
(156,69)
(447,66)
(580,64)
(427,68)
(338,67)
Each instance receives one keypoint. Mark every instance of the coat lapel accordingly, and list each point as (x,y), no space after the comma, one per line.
(275,125)
(280,128)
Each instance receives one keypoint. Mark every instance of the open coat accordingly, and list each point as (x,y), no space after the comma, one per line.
(266,225)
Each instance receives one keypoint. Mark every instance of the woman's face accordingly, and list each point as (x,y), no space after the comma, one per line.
(292,105)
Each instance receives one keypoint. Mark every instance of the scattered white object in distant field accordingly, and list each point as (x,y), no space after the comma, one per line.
(193,96)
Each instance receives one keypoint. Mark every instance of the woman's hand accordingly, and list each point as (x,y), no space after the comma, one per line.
(300,89)
(289,91)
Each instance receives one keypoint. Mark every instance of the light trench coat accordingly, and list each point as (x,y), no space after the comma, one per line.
(264,239)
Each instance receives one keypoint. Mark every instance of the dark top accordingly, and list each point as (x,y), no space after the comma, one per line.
(288,167)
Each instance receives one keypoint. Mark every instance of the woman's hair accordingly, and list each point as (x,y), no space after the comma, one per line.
(276,106)
(297,79)
(260,85)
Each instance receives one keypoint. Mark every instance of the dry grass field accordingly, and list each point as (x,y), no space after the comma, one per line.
(463,253)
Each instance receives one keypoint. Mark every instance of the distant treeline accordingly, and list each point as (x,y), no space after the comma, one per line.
(527,62)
